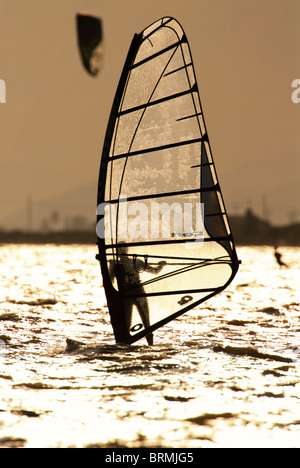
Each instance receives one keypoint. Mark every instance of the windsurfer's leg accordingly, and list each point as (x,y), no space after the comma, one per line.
(149,339)
(142,306)
(128,304)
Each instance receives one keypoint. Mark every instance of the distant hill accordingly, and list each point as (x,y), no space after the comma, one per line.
(66,211)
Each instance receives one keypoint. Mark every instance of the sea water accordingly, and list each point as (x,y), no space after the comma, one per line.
(225,374)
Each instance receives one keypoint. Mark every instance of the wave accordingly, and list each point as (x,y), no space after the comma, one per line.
(251,352)
(37,302)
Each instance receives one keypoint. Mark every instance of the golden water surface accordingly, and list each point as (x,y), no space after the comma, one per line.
(225,374)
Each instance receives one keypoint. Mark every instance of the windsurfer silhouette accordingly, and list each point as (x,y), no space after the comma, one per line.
(127,271)
(278,256)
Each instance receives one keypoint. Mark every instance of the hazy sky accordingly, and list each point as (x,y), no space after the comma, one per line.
(246,55)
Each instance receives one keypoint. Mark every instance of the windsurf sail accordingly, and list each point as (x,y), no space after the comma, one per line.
(164,239)
(90,42)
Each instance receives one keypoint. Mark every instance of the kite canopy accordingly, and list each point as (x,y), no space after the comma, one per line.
(90,42)
(165,243)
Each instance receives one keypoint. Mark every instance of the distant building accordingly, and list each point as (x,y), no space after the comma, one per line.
(78,223)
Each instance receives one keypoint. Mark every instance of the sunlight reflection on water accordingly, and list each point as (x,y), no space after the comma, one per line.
(223,375)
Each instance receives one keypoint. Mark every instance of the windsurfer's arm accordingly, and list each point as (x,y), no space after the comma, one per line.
(157,269)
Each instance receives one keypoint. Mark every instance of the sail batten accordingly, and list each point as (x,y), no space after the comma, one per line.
(159,148)
(158,101)
(167,194)
(190,116)
(165,243)
(169,242)
(184,67)
(170,293)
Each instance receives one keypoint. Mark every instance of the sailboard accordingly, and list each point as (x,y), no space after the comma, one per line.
(164,239)
(90,42)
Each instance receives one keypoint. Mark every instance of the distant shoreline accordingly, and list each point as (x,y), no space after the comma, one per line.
(55,237)
(279,237)
(252,230)
(248,229)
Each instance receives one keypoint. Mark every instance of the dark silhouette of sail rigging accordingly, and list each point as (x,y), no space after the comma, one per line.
(165,244)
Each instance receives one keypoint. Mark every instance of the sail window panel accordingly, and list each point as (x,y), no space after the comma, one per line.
(157,40)
(162,76)
(158,25)
(124,132)
(145,51)
(170,302)
(175,27)
(208,268)
(165,24)
(160,125)
(181,59)
(114,179)
(212,276)
(150,30)
(179,253)
(182,271)
(169,84)
(156,78)
(143,80)
(140,177)
(155,172)
(171,269)
(167,305)
(175,78)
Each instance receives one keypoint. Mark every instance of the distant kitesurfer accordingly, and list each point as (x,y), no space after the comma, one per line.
(90,42)
(127,271)
(278,256)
